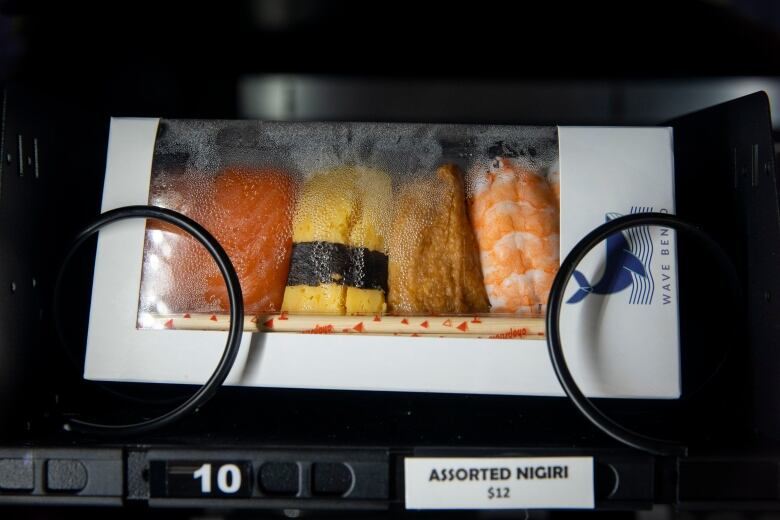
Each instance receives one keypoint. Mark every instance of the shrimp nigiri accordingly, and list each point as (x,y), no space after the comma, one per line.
(514,212)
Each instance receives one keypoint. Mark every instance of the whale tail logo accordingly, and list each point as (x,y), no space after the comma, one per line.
(629,255)
(584,290)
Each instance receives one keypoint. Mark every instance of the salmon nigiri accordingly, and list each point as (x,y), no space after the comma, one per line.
(249,212)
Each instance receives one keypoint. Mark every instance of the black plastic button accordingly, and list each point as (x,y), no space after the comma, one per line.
(331,478)
(279,478)
(65,476)
(16,475)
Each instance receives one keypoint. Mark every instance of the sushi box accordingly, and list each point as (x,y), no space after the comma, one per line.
(392,257)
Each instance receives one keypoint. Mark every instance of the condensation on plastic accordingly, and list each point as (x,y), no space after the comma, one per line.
(405,190)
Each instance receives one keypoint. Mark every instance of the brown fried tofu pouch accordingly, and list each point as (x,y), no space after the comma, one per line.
(433,256)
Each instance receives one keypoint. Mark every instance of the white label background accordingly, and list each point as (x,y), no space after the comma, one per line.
(574,492)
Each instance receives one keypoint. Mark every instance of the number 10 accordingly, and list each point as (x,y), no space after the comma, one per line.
(228,478)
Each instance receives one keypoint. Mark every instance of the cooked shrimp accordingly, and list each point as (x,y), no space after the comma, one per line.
(514,212)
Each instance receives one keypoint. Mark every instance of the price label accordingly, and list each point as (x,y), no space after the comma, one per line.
(499,483)
(498,492)
(201,479)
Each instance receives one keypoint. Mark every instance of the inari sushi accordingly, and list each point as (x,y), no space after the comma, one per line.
(515,216)
(434,260)
(339,259)
(249,212)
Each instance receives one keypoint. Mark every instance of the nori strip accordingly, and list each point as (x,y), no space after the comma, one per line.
(368,269)
(314,263)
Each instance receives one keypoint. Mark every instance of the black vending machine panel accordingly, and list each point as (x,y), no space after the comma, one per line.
(341,450)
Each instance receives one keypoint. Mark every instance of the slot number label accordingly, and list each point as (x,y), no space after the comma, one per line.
(208,479)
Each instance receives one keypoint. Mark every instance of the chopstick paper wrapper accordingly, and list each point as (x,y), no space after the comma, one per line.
(494,327)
